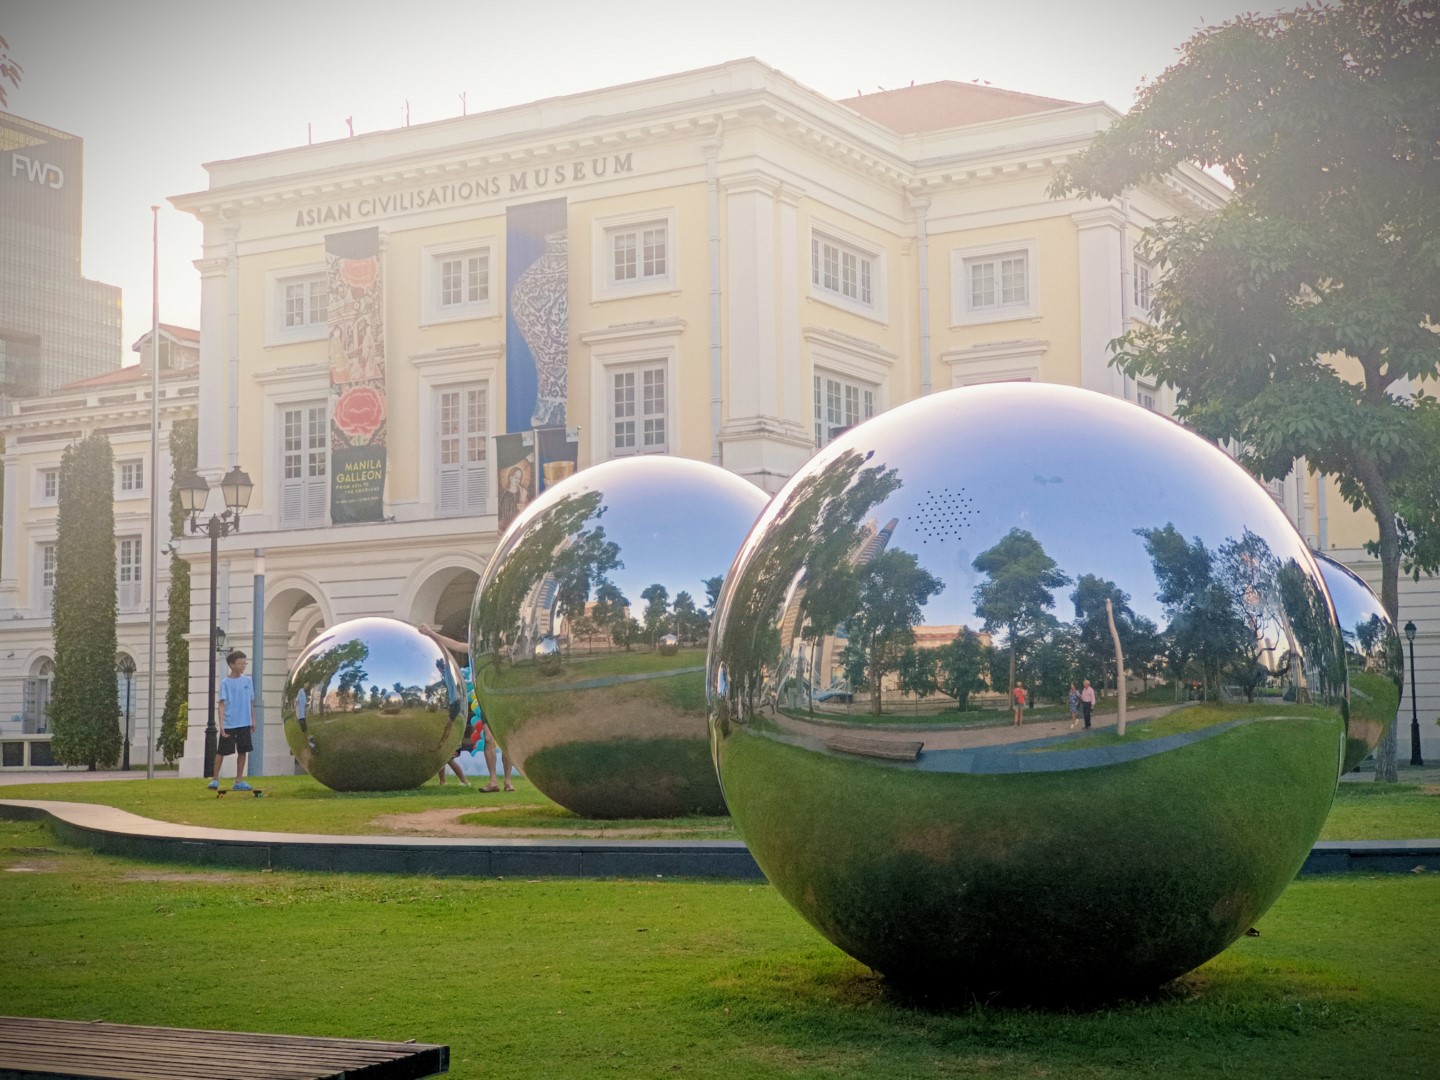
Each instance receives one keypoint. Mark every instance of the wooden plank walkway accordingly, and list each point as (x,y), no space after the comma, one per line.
(69,1048)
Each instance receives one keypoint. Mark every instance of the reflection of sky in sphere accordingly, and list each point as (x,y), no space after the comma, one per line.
(677,522)
(1078,470)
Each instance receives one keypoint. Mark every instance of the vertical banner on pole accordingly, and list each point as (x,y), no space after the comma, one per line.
(356,323)
(537,315)
(558,449)
(515,466)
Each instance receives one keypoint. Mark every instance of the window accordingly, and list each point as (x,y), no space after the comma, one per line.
(639,253)
(842,269)
(993,283)
(48,485)
(840,404)
(461,453)
(1145,395)
(296,304)
(305,301)
(634,254)
(35,703)
(465,279)
(131,479)
(47,577)
(638,412)
(128,573)
(304,459)
(457,281)
(1143,291)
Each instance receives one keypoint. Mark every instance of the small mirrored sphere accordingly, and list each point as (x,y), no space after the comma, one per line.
(1374,658)
(373,705)
(914,681)
(567,629)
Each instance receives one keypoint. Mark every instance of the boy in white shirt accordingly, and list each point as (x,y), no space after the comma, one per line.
(237,720)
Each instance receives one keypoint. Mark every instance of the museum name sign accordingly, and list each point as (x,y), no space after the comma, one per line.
(470,189)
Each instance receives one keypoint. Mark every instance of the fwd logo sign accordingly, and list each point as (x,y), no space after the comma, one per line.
(37,172)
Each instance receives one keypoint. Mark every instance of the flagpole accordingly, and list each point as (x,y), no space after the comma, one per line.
(154,473)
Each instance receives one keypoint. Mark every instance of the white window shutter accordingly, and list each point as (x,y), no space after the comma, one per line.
(475,488)
(450,489)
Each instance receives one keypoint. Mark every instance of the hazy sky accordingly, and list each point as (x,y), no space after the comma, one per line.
(156,87)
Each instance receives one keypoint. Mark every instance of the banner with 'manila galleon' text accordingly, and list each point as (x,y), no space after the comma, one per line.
(356,323)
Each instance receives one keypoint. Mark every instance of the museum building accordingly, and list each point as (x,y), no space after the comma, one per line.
(404,334)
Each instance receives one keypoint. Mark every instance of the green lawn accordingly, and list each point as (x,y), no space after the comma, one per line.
(1362,811)
(562,978)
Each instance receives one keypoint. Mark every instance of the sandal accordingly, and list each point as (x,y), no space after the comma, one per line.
(509,787)
(492,787)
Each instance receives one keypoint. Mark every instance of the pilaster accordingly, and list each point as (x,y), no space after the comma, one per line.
(1101,279)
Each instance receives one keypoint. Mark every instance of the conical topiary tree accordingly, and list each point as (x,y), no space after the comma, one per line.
(85,708)
(171,743)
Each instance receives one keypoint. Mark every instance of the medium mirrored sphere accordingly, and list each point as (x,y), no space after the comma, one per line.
(1374,658)
(368,707)
(930,569)
(568,626)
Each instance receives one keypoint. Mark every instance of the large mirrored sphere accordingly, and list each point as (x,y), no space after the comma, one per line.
(867,640)
(367,707)
(1373,657)
(568,634)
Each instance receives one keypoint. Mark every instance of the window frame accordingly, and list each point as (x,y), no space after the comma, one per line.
(306,519)
(432,259)
(276,282)
(469,504)
(38,496)
(123,492)
(604,231)
(45,594)
(636,345)
(134,599)
(877,306)
(820,400)
(1139,267)
(963,312)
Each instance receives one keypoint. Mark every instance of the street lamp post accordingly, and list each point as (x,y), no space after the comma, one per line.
(124,665)
(194,491)
(1415,758)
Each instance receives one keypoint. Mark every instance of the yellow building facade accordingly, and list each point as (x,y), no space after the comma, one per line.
(748,267)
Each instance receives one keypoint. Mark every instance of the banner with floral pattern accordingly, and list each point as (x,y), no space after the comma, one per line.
(356,323)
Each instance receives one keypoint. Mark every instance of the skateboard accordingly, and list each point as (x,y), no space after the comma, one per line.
(220,793)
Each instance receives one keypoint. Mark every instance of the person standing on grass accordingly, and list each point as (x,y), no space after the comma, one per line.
(1074,706)
(237,721)
(1018,697)
(1087,700)
(485,736)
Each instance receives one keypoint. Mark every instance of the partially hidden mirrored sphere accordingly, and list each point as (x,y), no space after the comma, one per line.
(368,707)
(891,595)
(1373,656)
(568,626)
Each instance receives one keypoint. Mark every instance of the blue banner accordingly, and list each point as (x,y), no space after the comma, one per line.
(537,315)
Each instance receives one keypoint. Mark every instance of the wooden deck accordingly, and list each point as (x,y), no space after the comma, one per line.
(68,1048)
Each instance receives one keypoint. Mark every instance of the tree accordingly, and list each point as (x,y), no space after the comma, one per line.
(1095,649)
(175,719)
(893,590)
(1051,666)
(85,710)
(10,71)
(657,610)
(626,631)
(1299,319)
(690,623)
(609,608)
(918,671)
(1018,594)
(964,664)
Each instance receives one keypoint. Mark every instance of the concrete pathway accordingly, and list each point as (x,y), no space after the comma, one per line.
(9,778)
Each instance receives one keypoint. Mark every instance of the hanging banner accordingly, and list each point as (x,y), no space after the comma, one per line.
(356,324)
(537,315)
(559,452)
(515,467)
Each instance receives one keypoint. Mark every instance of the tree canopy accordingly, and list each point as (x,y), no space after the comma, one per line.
(85,711)
(1301,319)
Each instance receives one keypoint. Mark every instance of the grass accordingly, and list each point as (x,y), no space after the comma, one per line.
(561,978)
(551,818)
(1361,811)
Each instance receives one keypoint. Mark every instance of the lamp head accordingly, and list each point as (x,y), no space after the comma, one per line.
(1410,632)
(237,488)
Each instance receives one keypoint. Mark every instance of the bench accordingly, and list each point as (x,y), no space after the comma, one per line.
(70,1048)
(889,749)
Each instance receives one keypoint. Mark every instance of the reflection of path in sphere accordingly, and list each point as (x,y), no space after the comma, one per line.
(1034,860)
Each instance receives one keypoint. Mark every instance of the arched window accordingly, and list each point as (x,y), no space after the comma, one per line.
(35,717)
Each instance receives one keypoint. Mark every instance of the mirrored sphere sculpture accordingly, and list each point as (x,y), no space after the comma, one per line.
(892,593)
(568,634)
(1374,657)
(367,707)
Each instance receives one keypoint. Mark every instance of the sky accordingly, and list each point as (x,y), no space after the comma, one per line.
(156,88)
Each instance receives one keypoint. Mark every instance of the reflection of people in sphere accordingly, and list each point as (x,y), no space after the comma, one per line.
(481,729)
(514,495)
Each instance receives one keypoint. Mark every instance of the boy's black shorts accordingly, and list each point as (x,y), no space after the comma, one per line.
(233,739)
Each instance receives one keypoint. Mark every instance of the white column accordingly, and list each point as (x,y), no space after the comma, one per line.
(1102,270)
(10,539)
(795,403)
(751,332)
(214,357)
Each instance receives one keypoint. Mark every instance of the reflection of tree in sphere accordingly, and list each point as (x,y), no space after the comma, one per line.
(367,706)
(589,628)
(940,555)
(1374,658)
